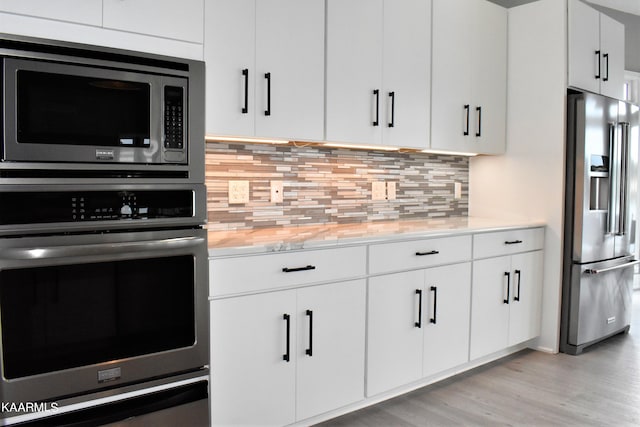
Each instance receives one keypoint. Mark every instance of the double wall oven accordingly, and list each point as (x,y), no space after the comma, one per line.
(103,255)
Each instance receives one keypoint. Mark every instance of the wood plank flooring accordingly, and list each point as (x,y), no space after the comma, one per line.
(600,387)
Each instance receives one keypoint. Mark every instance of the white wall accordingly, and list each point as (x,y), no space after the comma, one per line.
(528,181)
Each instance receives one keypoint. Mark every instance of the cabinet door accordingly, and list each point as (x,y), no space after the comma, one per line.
(446,313)
(175,20)
(354,71)
(490,301)
(526,297)
(395,340)
(407,73)
(584,41)
(251,382)
(229,52)
(330,353)
(451,74)
(612,45)
(290,47)
(87,12)
(488,80)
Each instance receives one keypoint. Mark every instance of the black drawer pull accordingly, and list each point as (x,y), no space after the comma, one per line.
(267,112)
(506,301)
(517,297)
(287,356)
(427,253)
(245,73)
(293,270)
(309,351)
(513,242)
(418,324)
(434,289)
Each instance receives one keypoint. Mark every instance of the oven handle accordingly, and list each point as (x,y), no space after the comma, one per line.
(617,267)
(100,248)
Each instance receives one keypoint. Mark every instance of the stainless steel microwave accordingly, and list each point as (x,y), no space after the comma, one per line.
(56,112)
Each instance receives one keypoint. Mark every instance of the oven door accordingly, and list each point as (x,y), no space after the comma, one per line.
(85,312)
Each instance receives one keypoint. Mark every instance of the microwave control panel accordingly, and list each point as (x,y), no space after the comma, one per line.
(61,207)
(174,117)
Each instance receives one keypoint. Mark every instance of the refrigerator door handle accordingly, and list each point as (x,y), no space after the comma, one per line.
(624,177)
(617,267)
(612,214)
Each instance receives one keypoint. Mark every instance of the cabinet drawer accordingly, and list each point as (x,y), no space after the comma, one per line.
(387,257)
(507,242)
(269,271)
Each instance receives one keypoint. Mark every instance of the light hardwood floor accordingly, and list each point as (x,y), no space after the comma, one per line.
(600,387)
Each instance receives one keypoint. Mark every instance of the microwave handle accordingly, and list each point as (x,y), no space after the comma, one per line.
(99,249)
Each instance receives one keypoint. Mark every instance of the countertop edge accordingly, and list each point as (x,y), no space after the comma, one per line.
(241,244)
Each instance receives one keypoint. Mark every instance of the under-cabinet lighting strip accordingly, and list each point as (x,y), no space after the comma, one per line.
(240,139)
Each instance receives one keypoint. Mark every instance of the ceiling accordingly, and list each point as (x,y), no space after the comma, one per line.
(627,6)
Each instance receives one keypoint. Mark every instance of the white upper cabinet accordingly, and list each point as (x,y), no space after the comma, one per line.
(596,51)
(469,80)
(80,11)
(378,71)
(162,27)
(265,68)
(175,20)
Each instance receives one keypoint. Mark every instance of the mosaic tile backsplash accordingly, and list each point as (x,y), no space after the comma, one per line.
(330,185)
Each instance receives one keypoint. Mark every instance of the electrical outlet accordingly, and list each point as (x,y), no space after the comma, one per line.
(457,190)
(391,190)
(238,192)
(277,192)
(378,190)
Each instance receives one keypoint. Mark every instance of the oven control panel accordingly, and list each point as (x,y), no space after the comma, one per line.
(54,207)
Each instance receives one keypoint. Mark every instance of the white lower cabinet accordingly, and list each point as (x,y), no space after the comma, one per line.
(418,325)
(506,302)
(320,330)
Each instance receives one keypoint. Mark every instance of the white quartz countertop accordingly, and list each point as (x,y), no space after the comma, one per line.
(266,240)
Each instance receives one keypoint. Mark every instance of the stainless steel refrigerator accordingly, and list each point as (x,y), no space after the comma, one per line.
(600,219)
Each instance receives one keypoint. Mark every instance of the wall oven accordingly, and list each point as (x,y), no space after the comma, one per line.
(103,255)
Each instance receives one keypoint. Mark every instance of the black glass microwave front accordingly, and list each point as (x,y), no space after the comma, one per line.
(81,313)
(57,112)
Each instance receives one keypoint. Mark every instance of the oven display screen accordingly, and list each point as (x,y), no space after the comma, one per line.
(60,317)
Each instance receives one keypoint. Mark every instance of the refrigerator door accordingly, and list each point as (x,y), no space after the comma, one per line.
(600,301)
(591,183)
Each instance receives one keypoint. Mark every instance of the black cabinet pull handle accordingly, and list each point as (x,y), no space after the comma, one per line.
(309,351)
(506,301)
(517,297)
(376,92)
(393,108)
(245,73)
(598,55)
(466,132)
(606,68)
(434,289)
(293,270)
(418,324)
(513,242)
(287,356)
(427,253)
(267,112)
(479,110)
